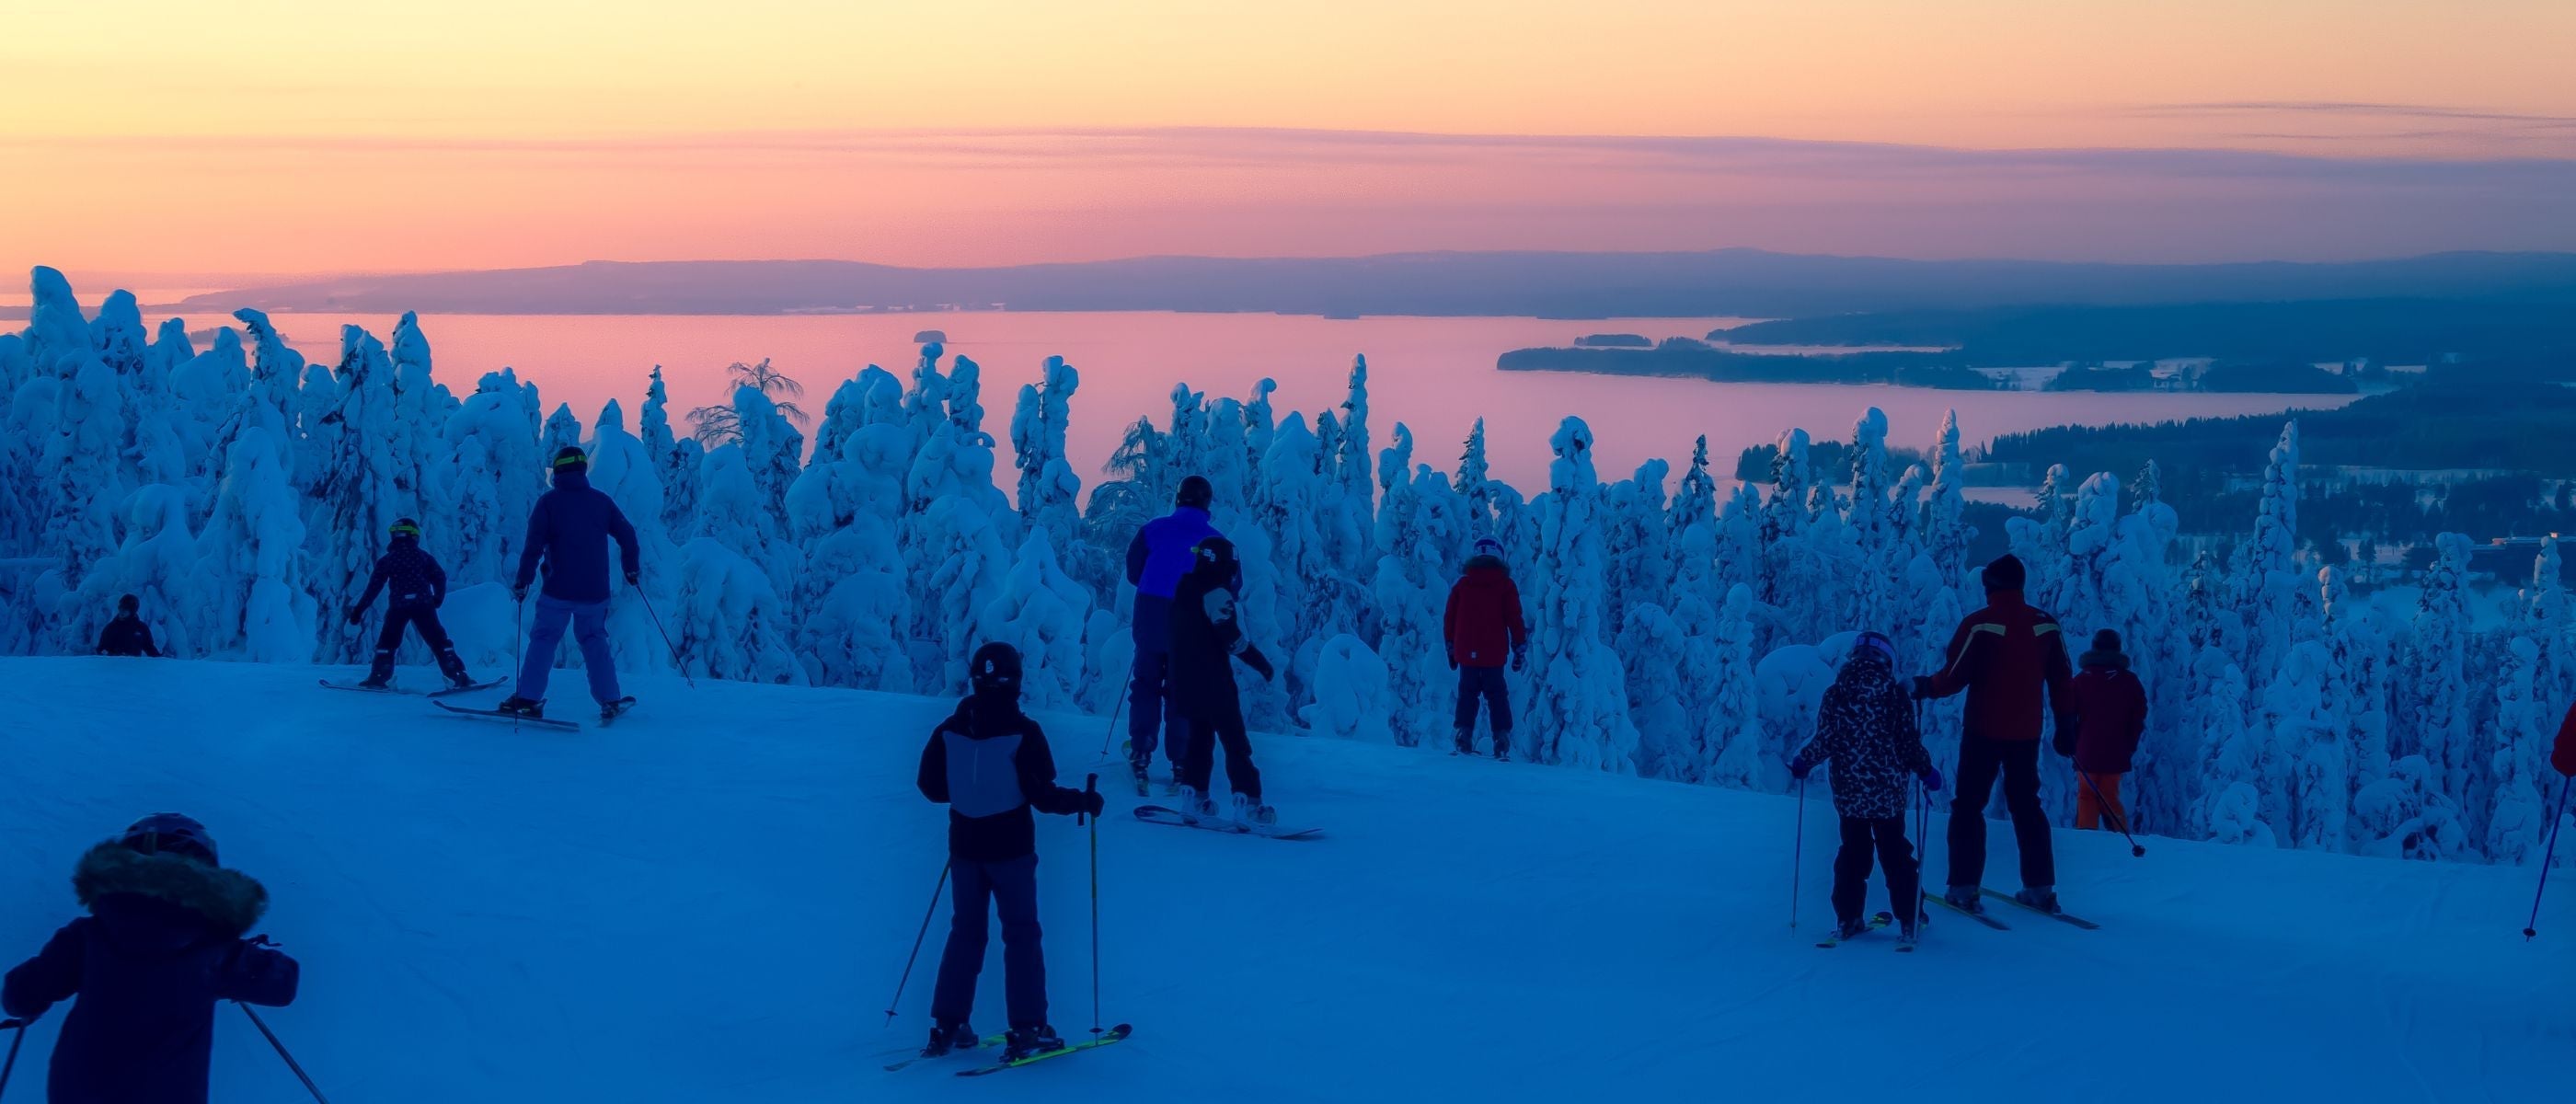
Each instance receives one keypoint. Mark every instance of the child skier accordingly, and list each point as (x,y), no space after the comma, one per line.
(1483,629)
(990,764)
(415,586)
(127,635)
(163,942)
(1866,730)
(2110,713)
(1206,639)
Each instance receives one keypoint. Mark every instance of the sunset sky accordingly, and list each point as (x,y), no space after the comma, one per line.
(285,136)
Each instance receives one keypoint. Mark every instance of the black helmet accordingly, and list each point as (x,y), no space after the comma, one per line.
(995,670)
(1195,493)
(1214,555)
(571,458)
(129,603)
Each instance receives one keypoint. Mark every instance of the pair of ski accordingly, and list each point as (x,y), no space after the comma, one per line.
(1998,925)
(607,716)
(1157,814)
(1105,1038)
(1904,946)
(441,692)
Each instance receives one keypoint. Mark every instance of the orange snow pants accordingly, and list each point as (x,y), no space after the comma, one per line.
(2088,809)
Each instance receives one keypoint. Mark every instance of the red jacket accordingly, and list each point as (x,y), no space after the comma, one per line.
(2004,655)
(2110,714)
(2564,756)
(1483,626)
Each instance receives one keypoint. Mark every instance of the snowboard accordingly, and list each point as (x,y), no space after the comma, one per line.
(1112,1035)
(1156,814)
(2078,921)
(512,718)
(441,692)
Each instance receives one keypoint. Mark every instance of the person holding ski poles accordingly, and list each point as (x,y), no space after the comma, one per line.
(2011,660)
(990,764)
(126,634)
(2110,715)
(1483,629)
(1206,640)
(569,532)
(415,587)
(165,939)
(1866,730)
(1156,559)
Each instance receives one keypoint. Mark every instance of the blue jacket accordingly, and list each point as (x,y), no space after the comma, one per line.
(1156,560)
(989,763)
(417,580)
(570,529)
(162,944)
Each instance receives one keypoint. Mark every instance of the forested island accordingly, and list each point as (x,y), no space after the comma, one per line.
(1685,357)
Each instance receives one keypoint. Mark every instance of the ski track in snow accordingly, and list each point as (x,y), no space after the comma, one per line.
(712,900)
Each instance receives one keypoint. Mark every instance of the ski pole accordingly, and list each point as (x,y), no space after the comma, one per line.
(926,914)
(519,643)
(1091,786)
(1797,852)
(281,1052)
(1112,734)
(2136,850)
(666,635)
(18,1036)
(2531,928)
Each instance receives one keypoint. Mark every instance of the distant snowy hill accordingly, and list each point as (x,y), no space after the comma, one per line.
(712,901)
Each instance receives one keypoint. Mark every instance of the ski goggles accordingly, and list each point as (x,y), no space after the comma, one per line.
(405,529)
(571,459)
(1877,643)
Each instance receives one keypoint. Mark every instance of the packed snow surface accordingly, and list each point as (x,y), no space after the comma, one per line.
(712,900)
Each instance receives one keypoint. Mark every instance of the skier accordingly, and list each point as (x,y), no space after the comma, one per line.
(1156,559)
(1866,730)
(2110,714)
(570,530)
(989,763)
(163,942)
(1482,630)
(126,634)
(418,586)
(2005,656)
(1206,639)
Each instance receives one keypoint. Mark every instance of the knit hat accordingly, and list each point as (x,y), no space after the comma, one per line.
(2005,572)
(2106,640)
(1195,493)
(170,833)
(129,604)
(1488,546)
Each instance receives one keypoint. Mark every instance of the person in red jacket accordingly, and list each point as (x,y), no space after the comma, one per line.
(2006,656)
(2110,713)
(2563,756)
(1483,630)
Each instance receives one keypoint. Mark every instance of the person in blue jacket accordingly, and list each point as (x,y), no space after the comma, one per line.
(990,764)
(1156,559)
(163,942)
(569,532)
(415,587)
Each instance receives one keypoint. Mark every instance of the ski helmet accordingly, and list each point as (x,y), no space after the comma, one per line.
(1195,493)
(172,834)
(1215,554)
(405,527)
(128,604)
(571,458)
(996,669)
(1875,642)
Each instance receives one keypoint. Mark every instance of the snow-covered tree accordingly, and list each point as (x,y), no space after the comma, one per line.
(1351,694)
(845,510)
(1654,650)
(254,591)
(1733,728)
(2434,704)
(1420,526)
(354,491)
(1579,697)
(2524,732)
(1638,544)
(2270,585)
(1048,486)
(627,470)
(493,476)
(1041,610)
(677,466)
(2313,797)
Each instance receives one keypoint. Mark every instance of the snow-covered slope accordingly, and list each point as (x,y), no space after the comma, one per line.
(712,901)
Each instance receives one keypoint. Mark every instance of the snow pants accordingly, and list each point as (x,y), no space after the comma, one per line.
(980,889)
(1198,764)
(2089,810)
(1885,835)
(589,621)
(1484,684)
(421,619)
(2017,761)
(1149,705)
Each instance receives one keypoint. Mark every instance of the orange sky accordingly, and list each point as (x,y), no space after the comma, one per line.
(300,136)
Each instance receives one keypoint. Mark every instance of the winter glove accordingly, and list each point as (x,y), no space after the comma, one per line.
(1799,770)
(1092,803)
(1520,658)
(635,578)
(356,615)
(1932,779)
(518,594)
(1453,658)
(1253,658)
(2064,743)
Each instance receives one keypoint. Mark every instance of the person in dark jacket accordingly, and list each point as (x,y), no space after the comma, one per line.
(1206,640)
(1483,629)
(126,634)
(164,941)
(2008,657)
(1156,559)
(415,587)
(569,532)
(990,764)
(2110,714)
(1866,730)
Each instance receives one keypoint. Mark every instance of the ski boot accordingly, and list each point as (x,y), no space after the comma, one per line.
(945,1037)
(1144,780)
(2043,898)
(454,668)
(1910,930)
(1023,1042)
(1466,744)
(1965,899)
(376,682)
(517,706)
(1248,811)
(1853,928)
(1195,806)
(609,711)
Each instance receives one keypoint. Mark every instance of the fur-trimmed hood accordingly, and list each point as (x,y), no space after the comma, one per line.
(228,900)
